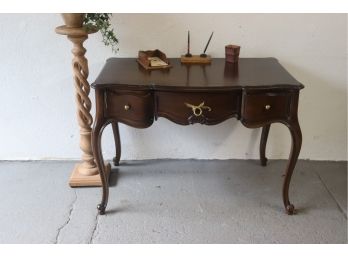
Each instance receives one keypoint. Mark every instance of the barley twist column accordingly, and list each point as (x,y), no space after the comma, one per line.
(85,120)
(85,173)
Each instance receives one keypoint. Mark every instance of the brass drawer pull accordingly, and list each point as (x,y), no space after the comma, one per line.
(127,107)
(198,109)
(267,107)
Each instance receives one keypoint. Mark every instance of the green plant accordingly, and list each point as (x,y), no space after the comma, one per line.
(102,22)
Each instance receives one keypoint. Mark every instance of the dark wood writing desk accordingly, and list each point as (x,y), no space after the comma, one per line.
(257,91)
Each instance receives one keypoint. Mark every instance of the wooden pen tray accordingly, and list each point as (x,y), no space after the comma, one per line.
(196,59)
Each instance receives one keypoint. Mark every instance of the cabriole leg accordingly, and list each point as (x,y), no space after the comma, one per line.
(96,144)
(263,142)
(296,138)
(116,132)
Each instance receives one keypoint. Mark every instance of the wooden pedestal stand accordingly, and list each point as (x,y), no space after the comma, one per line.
(196,59)
(85,173)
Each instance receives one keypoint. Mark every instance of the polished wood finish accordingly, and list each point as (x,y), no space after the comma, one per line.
(134,108)
(257,91)
(249,73)
(260,106)
(172,105)
(99,124)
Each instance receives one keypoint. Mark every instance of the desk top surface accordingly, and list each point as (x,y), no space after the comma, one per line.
(249,72)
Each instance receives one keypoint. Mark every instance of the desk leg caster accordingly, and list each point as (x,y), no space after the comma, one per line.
(264,161)
(101,209)
(290,209)
(116,161)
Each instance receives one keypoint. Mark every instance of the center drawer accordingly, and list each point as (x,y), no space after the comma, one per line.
(198,107)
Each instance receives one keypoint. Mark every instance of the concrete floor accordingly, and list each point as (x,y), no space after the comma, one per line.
(175,201)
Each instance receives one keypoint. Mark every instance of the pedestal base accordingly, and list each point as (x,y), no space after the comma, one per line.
(79,180)
(196,59)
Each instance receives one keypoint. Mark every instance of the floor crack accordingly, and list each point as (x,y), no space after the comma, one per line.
(72,205)
(96,223)
(332,196)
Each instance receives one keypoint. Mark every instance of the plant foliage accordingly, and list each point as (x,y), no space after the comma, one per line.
(102,22)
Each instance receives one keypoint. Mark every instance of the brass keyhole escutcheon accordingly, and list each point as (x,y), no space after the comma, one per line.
(127,107)
(198,109)
(267,107)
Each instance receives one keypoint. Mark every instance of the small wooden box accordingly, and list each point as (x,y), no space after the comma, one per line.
(232,53)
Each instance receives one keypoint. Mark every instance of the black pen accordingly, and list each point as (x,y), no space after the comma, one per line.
(205,49)
(188,45)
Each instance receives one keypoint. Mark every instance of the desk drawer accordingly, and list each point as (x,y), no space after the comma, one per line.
(198,107)
(262,107)
(134,108)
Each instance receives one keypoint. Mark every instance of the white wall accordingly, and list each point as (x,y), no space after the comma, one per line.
(37,113)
